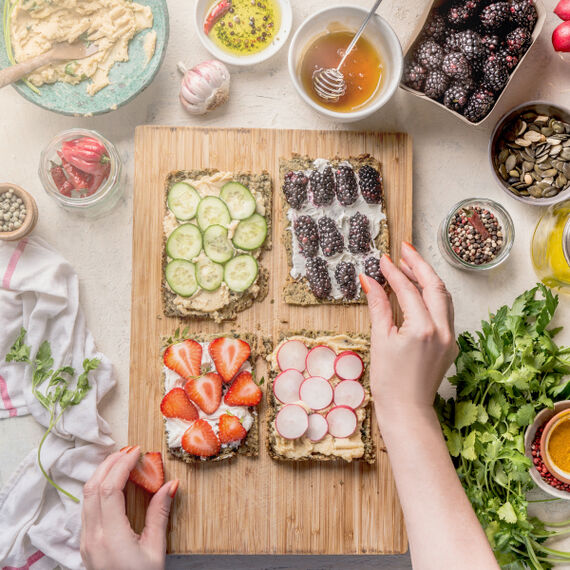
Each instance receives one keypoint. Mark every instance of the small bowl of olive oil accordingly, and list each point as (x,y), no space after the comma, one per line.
(372,70)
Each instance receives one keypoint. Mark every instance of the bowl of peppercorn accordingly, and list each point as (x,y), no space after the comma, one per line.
(477,234)
(466,52)
(18,212)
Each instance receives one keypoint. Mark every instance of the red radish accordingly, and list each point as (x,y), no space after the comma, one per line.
(292,421)
(320,361)
(318,427)
(292,354)
(348,365)
(562,9)
(316,392)
(286,386)
(349,393)
(342,421)
(561,37)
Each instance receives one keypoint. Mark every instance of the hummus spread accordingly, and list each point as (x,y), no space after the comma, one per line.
(36,25)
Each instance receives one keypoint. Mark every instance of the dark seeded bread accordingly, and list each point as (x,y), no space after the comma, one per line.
(366,428)
(260,348)
(298,291)
(238,302)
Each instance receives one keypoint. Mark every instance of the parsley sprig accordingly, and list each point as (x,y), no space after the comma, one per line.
(508,372)
(52,388)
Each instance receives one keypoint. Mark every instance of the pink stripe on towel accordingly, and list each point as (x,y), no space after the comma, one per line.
(12,263)
(31,560)
(6,398)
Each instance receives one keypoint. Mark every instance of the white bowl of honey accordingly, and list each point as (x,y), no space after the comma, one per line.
(372,71)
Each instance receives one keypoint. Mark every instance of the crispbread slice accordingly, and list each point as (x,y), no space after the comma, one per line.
(298,291)
(369,455)
(238,302)
(260,348)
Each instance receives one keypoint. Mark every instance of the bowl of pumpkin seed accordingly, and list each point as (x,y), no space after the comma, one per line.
(530,153)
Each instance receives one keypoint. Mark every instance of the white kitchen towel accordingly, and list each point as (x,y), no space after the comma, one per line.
(39,290)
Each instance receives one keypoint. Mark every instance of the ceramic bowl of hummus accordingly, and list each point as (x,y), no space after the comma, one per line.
(131,37)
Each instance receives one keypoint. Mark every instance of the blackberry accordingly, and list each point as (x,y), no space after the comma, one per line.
(510,60)
(370,184)
(415,75)
(461,13)
(455,98)
(372,269)
(518,41)
(295,189)
(318,277)
(435,27)
(359,234)
(524,14)
(471,45)
(346,185)
(495,16)
(436,84)
(451,42)
(491,42)
(479,105)
(307,235)
(330,238)
(456,65)
(429,54)
(345,275)
(468,84)
(495,74)
(322,186)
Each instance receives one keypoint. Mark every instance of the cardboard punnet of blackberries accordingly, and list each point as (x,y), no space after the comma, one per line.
(466,52)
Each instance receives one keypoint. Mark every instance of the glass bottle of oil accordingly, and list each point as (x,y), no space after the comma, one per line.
(550,247)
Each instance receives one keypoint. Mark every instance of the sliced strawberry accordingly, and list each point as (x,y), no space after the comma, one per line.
(205,391)
(243,391)
(200,439)
(184,358)
(149,473)
(228,355)
(176,404)
(230,429)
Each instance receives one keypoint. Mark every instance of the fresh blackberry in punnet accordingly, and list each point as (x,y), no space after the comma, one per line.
(495,74)
(346,185)
(359,237)
(370,184)
(518,41)
(468,84)
(429,54)
(372,269)
(491,42)
(470,44)
(322,186)
(415,75)
(524,14)
(451,42)
(330,238)
(509,60)
(456,97)
(318,277)
(456,65)
(479,105)
(496,16)
(460,13)
(295,189)
(345,275)
(436,84)
(435,27)
(307,235)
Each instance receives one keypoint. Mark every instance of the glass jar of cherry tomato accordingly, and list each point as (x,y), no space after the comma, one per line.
(81,170)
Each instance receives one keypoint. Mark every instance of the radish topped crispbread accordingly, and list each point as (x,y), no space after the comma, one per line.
(319,398)
(216,227)
(211,395)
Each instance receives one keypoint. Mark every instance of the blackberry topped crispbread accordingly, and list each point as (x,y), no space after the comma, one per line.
(211,395)
(217,226)
(335,227)
(319,398)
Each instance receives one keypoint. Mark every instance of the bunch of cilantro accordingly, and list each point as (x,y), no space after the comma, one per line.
(508,372)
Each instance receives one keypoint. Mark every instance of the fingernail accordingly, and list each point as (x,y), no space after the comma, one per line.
(409,245)
(126,449)
(387,257)
(364,283)
(134,449)
(173,488)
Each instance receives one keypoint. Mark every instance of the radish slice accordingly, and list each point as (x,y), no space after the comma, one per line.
(320,362)
(342,421)
(349,393)
(286,386)
(292,354)
(316,392)
(318,427)
(292,421)
(348,365)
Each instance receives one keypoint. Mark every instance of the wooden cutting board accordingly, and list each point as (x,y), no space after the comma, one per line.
(256,505)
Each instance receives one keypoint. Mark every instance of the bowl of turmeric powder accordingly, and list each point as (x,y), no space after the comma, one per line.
(555,445)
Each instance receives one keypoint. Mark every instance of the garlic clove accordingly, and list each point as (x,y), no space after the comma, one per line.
(204,87)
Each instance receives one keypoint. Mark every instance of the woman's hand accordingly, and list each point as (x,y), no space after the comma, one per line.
(107,539)
(408,363)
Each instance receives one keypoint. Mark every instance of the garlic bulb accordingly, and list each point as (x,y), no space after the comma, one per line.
(204,87)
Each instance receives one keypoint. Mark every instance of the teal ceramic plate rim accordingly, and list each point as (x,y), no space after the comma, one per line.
(128,79)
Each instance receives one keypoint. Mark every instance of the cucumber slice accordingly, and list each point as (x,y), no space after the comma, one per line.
(240,272)
(251,233)
(212,210)
(181,276)
(183,201)
(239,199)
(209,274)
(217,246)
(185,242)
